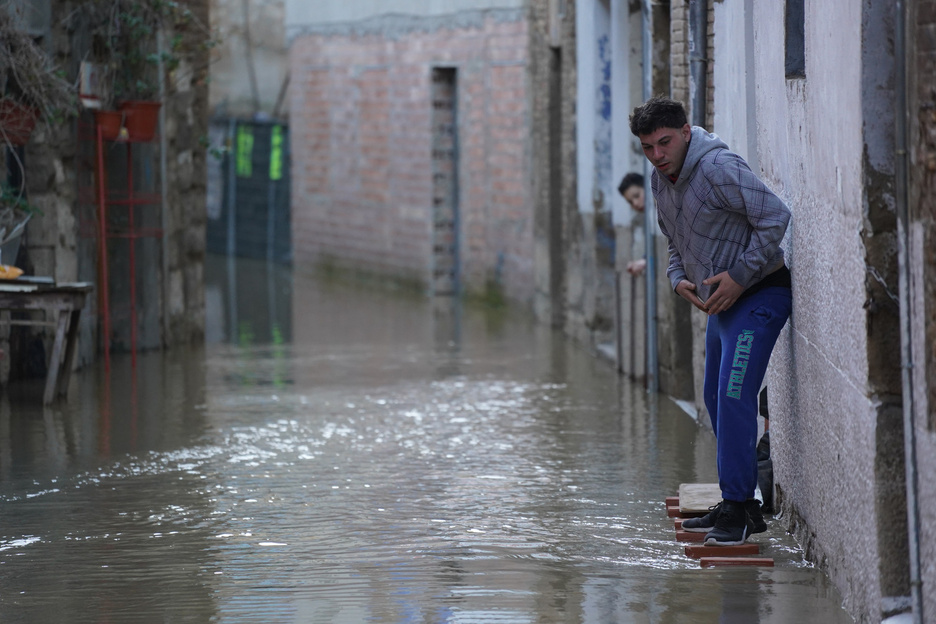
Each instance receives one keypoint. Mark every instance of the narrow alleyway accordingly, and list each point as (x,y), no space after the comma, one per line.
(337,454)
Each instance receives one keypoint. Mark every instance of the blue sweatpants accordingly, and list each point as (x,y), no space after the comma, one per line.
(738,343)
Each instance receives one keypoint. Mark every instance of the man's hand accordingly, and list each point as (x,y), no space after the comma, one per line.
(724,295)
(687,291)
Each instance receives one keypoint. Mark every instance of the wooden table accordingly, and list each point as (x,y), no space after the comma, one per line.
(63,302)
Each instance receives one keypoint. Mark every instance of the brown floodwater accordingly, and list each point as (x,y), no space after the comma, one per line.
(350,454)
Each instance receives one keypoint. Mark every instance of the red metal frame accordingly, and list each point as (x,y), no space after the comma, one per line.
(103,200)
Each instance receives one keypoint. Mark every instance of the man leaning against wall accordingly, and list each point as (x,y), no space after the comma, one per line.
(723,227)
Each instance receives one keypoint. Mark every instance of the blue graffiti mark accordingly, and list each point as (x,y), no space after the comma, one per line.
(604,90)
(604,57)
(605,102)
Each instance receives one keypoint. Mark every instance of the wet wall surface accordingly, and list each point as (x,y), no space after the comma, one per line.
(338,454)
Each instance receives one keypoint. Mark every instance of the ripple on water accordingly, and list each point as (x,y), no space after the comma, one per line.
(467,500)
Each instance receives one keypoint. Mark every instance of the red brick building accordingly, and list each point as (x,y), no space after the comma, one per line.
(411,151)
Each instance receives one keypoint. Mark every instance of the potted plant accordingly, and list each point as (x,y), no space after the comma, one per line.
(125,42)
(31,87)
(136,79)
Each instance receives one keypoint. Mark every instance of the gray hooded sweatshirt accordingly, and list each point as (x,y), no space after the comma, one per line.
(718,216)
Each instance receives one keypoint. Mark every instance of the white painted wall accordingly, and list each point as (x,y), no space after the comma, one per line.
(734,76)
(585,101)
(606,150)
(321,12)
(594,53)
(810,139)
(626,93)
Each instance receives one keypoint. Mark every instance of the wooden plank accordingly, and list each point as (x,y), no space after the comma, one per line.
(712,562)
(676,512)
(698,497)
(28,322)
(697,552)
(63,303)
(71,343)
(55,360)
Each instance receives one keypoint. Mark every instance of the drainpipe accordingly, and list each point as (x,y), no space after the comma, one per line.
(901,186)
(164,191)
(653,381)
(698,64)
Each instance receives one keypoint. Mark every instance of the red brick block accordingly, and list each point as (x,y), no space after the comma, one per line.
(686,536)
(672,501)
(711,562)
(697,552)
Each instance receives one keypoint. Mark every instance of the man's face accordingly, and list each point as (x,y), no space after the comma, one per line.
(666,148)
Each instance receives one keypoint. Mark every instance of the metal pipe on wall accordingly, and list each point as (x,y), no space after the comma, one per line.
(698,64)
(653,380)
(164,191)
(901,199)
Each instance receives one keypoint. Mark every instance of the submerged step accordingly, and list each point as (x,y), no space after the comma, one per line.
(697,552)
(712,562)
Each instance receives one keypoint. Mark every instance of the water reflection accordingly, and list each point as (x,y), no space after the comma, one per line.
(387,458)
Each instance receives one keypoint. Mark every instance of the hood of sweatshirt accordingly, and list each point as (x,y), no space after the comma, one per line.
(701,143)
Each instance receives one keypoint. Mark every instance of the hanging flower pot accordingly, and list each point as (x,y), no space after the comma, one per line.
(17,121)
(141,118)
(110,122)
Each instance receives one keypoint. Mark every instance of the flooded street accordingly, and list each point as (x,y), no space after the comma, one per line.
(336,454)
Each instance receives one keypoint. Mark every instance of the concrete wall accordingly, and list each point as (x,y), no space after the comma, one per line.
(922,259)
(590,295)
(361,160)
(837,453)
(553,73)
(599,294)
(248,69)
(186,125)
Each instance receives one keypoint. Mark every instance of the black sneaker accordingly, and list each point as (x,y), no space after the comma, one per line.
(753,508)
(704,524)
(732,526)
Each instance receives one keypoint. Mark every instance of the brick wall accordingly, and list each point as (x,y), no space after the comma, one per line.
(679,58)
(679,52)
(361,128)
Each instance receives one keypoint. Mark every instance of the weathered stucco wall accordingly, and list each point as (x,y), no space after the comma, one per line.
(362,159)
(831,393)
(922,257)
(552,71)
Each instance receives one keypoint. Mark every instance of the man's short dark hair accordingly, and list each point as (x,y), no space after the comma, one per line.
(657,112)
(631,179)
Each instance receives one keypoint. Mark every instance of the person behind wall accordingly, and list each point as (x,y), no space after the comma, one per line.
(631,189)
(724,228)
